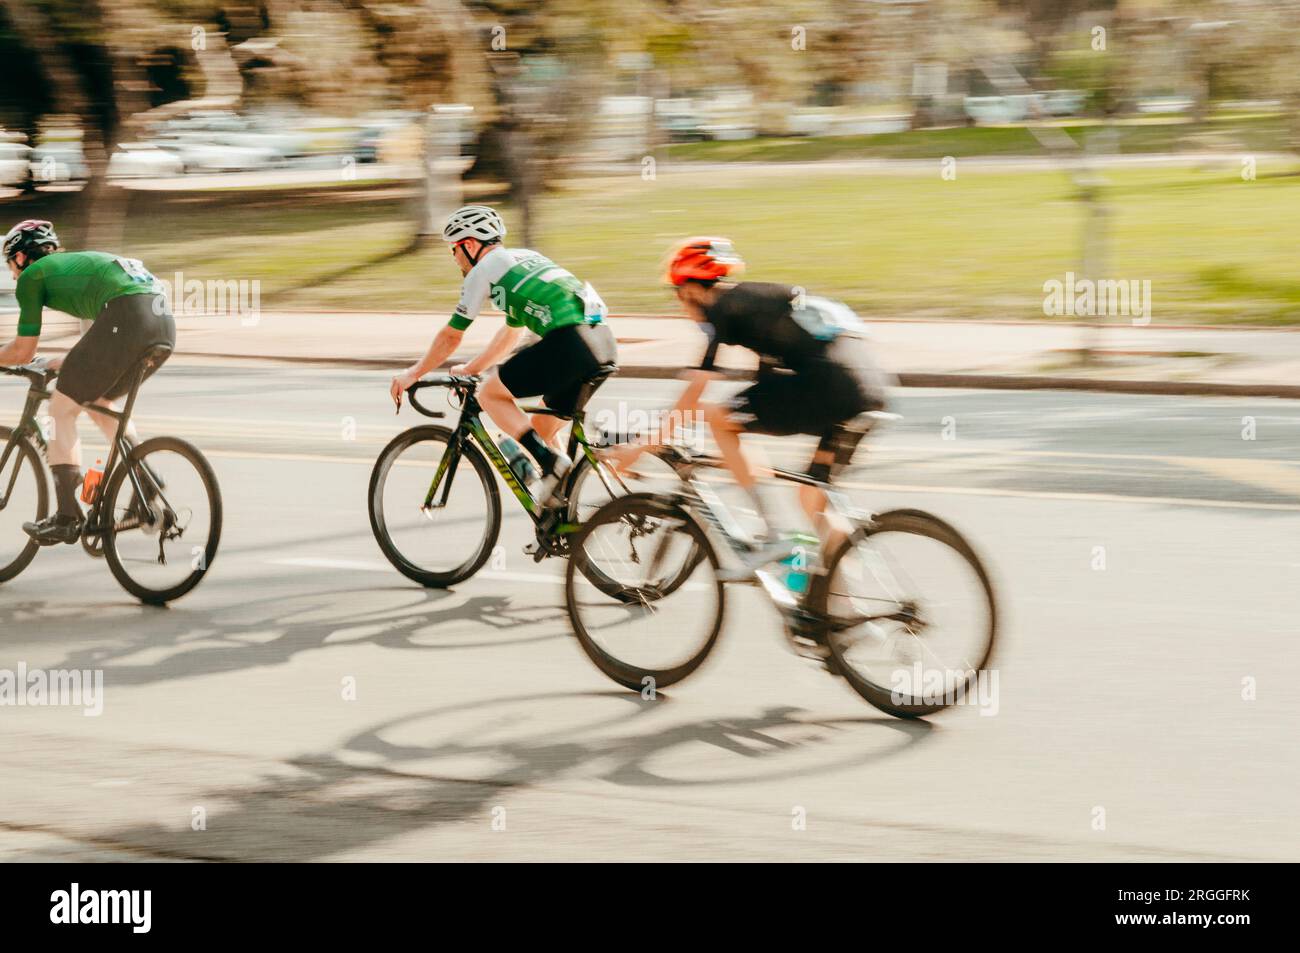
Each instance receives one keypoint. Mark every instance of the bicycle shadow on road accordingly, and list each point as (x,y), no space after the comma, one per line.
(147,647)
(398,778)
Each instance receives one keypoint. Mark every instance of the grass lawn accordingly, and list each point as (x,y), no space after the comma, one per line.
(1214,247)
(1253,133)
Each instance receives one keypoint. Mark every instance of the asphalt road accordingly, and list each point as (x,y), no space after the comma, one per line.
(480,731)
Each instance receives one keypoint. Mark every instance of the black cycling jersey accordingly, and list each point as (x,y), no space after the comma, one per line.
(822,342)
(759,316)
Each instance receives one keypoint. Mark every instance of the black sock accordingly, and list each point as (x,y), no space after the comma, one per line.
(543,454)
(67,487)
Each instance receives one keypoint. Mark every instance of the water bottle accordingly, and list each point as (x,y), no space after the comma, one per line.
(94,476)
(799,563)
(520,463)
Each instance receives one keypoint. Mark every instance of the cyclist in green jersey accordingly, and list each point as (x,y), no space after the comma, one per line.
(576,347)
(128,316)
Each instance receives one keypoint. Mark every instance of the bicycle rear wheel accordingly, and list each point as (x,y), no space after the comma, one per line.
(652,628)
(24,497)
(446,544)
(161,544)
(907,611)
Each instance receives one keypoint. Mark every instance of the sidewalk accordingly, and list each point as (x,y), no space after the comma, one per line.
(1152,359)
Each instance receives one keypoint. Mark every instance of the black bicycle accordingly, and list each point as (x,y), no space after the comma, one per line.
(155,516)
(434,504)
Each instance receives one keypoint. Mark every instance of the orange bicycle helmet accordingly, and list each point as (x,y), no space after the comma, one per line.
(701,259)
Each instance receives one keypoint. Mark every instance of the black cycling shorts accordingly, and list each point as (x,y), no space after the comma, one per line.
(560,364)
(818,399)
(103,363)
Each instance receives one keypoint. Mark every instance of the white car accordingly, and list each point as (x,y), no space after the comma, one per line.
(59,162)
(140,159)
(15,164)
(203,155)
(1001,110)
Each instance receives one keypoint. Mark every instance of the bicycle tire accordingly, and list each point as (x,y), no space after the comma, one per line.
(919,523)
(432,579)
(623,673)
(158,597)
(27,452)
(582,470)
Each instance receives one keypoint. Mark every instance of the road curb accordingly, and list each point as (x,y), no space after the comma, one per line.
(907,379)
(1105,385)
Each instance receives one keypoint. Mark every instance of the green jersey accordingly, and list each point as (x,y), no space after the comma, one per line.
(533,291)
(78,283)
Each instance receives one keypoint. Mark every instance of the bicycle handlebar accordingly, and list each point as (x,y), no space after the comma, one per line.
(36,373)
(460,383)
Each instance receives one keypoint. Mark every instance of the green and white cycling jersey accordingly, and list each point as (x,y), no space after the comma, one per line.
(533,291)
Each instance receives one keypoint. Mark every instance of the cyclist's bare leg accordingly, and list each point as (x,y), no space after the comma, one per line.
(726,434)
(65,442)
(547,427)
(812,500)
(108,426)
(501,407)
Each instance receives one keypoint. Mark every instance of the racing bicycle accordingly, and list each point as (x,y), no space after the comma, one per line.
(154,517)
(898,604)
(435,508)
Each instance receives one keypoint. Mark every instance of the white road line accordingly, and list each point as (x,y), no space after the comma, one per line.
(295,429)
(1193,502)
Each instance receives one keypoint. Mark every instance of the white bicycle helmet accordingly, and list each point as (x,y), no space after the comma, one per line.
(474,221)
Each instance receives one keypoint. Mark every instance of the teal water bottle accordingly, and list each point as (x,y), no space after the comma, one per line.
(517,458)
(799,563)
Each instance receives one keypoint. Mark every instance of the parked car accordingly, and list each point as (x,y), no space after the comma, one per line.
(144,160)
(1064,102)
(1164,104)
(59,161)
(679,119)
(15,164)
(198,154)
(999,110)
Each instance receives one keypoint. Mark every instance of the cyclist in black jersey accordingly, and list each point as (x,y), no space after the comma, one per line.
(816,372)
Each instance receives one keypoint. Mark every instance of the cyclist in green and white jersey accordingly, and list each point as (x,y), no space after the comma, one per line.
(576,345)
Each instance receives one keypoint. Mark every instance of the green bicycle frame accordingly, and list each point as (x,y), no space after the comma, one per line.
(471,428)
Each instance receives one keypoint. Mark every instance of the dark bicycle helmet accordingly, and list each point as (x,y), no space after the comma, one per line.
(29,235)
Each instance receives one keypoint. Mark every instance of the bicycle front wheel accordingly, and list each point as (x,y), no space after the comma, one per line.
(590,489)
(24,497)
(642,624)
(907,611)
(161,518)
(448,542)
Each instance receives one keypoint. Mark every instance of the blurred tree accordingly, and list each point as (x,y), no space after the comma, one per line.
(83,77)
